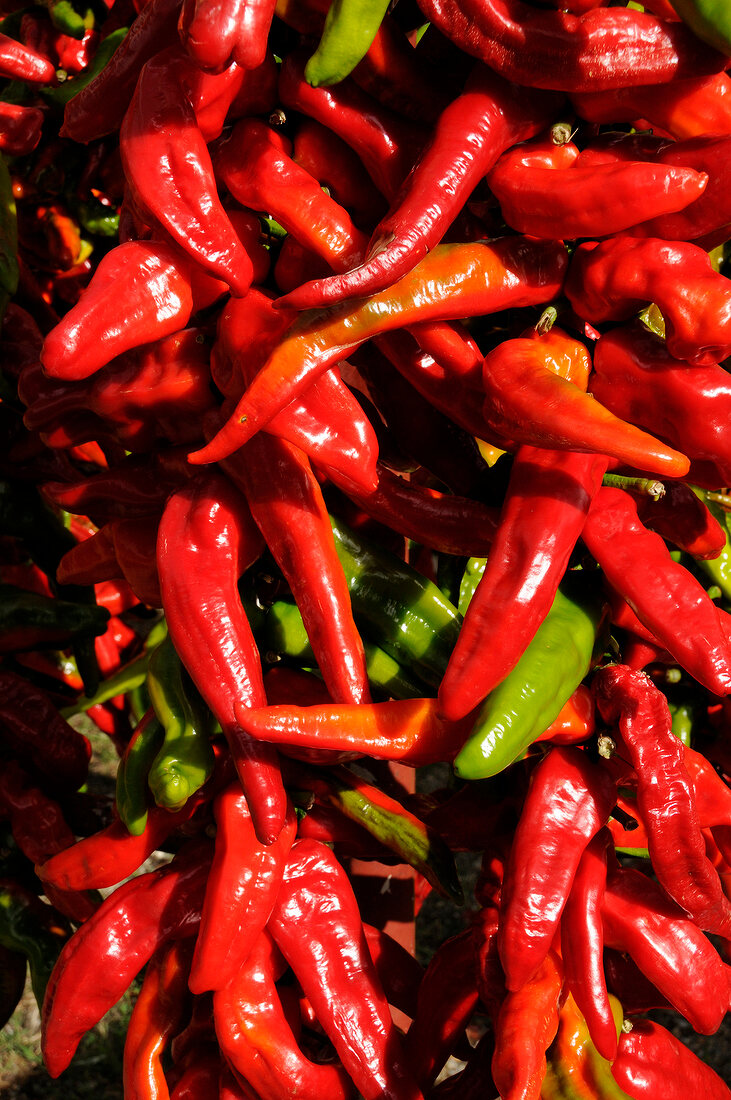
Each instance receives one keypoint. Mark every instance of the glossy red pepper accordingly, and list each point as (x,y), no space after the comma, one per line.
(598,49)
(101,959)
(169,171)
(665,794)
(469,136)
(206,540)
(240,894)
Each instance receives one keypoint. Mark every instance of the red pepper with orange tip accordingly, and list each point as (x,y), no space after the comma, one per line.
(169,171)
(469,136)
(410,730)
(527,402)
(157,1013)
(665,794)
(525,1028)
(317,926)
(453,281)
(242,886)
(257,1040)
(326,421)
(105,954)
(206,540)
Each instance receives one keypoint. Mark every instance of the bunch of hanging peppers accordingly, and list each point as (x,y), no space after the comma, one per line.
(364,478)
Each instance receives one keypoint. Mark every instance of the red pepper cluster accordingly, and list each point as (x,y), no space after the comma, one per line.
(351,430)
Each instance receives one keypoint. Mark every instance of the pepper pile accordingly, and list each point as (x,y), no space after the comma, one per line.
(365,408)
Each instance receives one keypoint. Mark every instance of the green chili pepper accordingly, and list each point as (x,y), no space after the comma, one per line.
(350,27)
(126,678)
(68,21)
(525,703)
(404,613)
(710,20)
(66,91)
(284,635)
(415,842)
(29,620)
(9,272)
(185,759)
(470,579)
(35,929)
(133,771)
(718,569)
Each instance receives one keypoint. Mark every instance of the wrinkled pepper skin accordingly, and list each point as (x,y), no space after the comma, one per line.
(317,927)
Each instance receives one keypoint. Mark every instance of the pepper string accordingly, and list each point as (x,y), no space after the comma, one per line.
(365,405)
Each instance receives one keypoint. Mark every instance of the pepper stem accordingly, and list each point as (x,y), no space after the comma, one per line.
(645,486)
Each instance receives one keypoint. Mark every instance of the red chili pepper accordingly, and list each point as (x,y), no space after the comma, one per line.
(669,949)
(547,499)
(254,163)
(651,1061)
(287,505)
(157,1013)
(206,540)
(20,128)
(665,794)
(98,109)
(469,136)
(32,728)
(582,943)
(682,517)
(450,982)
(683,108)
(410,730)
(639,380)
(527,401)
(317,926)
(154,279)
(333,163)
(98,963)
(662,593)
(19,62)
(612,280)
(569,801)
(240,894)
(257,1040)
(588,200)
(326,421)
(525,1028)
(602,48)
(386,143)
(452,281)
(169,171)
(216,32)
